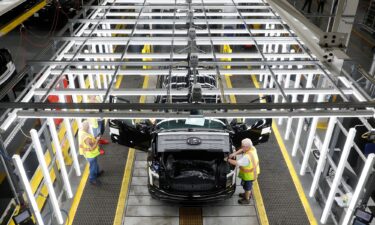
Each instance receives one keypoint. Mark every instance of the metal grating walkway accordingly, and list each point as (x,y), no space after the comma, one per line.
(98,204)
(280,196)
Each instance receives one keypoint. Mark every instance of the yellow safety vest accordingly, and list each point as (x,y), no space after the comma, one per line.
(85,149)
(251,171)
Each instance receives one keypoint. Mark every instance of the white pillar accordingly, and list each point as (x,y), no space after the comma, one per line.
(74,97)
(60,158)
(338,175)
(345,24)
(47,178)
(300,120)
(310,140)
(367,169)
(26,185)
(323,155)
(294,99)
(72,146)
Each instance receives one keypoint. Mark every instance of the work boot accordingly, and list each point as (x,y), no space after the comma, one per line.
(102,152)
(242,195)
(103,141)
(96,183)
(100,173)
(244,201)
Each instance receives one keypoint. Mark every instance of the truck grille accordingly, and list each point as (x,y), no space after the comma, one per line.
(190,187)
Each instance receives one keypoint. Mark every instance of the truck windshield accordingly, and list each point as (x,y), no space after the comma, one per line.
(191,123)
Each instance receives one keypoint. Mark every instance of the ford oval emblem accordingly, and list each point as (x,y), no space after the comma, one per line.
(194,141)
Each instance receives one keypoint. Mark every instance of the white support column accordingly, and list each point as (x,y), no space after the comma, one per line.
(82,84)
(74,97)
(287,77)
(73,150)
(47,178)
(60,158)
(294,99)
(279,80)
(345,25)
(300,121)
(27,188)
(367,169)
(310,140)
(323,156)
(338,175)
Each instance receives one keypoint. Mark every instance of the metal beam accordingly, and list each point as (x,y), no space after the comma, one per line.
(329,106)
(172,115)
(184,92)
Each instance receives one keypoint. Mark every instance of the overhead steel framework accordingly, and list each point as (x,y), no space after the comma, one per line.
(85,49)
(104,42)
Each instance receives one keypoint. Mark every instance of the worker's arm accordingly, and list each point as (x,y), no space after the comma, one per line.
(232,162)
(239,151)
(93,144)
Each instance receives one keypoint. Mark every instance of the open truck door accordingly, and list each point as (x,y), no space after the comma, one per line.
(258,130)
(128,133)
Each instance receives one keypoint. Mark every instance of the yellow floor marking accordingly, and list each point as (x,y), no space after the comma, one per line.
(78,195)
(232,98)
(13,24)
(144,86)
(118,81)
(322,125)
(2,177)
(263,218)
(260,204)
(292,171)
(127,174)
(124,188)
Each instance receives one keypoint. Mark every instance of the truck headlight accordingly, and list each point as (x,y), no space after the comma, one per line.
(231,178)
(154,177)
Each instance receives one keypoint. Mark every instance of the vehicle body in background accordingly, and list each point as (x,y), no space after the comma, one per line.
(185,157)
(7,71)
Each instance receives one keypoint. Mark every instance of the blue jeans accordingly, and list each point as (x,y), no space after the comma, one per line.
(94,168)
(99,130)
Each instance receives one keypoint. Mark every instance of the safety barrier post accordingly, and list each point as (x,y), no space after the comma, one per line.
(310,140)
(338,174)
(323,155)
(366,172)
(29,193)
(47,177)
(59,156)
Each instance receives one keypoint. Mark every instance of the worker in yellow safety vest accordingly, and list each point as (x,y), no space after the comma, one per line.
(249,168)
(89,147)
(97,125)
